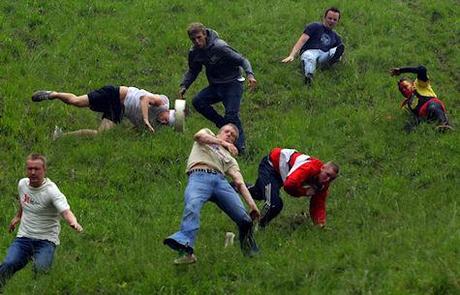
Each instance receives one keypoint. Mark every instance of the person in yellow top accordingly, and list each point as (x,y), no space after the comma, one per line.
(420,98)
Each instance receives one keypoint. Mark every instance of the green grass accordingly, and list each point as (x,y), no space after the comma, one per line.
(392,214)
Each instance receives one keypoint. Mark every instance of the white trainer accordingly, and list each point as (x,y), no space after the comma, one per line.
(57,133)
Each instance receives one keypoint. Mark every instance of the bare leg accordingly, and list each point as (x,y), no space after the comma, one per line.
(105,125)
(70,98)
(81,133)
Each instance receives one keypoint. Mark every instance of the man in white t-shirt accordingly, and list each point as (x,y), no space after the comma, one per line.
(41,206)
(208,163)
(141,107)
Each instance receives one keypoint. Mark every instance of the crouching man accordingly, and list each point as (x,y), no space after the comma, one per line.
(41,206)
(209,161)
(300,175)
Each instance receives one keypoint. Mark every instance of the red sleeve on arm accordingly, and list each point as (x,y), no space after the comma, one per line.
(318,207)
(293,183)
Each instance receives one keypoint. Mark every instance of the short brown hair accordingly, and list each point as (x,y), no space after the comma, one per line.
(36,156)
(334,166)
(195,28)
(333,9)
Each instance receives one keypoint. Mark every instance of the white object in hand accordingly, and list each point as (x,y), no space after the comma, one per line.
(229,237)
(179,106)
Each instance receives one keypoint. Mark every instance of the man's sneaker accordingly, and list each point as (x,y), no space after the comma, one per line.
(41,95)
(185,258)
(337,55)
(308,79)
(57,133)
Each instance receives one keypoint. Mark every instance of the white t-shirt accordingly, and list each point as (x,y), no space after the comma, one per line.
(41,209)
(133,107)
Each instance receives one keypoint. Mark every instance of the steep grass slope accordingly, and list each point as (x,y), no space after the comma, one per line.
(393,225)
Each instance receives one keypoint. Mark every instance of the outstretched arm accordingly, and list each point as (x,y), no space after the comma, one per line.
(239,183)
(146,102)
(205,138)
(298,45)
(71,220)
(421,72)
(238,59)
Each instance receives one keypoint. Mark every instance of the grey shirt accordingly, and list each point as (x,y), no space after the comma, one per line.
(221,61)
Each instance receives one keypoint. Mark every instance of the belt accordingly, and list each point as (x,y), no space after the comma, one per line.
(211,171)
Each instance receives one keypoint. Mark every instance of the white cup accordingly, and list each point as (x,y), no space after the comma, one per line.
(229,237)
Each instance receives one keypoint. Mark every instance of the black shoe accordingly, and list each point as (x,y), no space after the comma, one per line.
(41,95)
(308,79)
(337,55)
(173,244)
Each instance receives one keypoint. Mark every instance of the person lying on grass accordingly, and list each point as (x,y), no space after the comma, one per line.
(41,206)
(420,99)
(141,107)
(209,161)
(300,175)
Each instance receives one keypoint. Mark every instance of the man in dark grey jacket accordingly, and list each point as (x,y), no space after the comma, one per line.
(222,65)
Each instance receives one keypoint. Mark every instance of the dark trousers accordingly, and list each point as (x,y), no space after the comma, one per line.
(267,188)
(230,95)
(436,113)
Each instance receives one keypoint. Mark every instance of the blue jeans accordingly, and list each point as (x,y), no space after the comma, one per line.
(21,251)
(203,187)
(230,95)
(268,178)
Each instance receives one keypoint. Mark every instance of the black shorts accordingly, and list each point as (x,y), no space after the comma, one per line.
(107,101)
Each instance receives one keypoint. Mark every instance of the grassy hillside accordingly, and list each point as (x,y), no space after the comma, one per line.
(393,224)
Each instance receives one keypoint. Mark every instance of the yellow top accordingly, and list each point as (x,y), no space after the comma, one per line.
(424,88)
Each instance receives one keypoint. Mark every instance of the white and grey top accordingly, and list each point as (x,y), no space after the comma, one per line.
(133,106)
(41,210)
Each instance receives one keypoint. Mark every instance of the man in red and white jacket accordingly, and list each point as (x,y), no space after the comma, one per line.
(300,175)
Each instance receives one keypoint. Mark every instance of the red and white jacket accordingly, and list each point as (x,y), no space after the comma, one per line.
(298,172)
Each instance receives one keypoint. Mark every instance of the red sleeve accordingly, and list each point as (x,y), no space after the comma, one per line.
(293,183)
(318,207)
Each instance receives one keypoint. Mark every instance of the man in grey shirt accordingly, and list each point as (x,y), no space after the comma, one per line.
(41,206)
(223,69)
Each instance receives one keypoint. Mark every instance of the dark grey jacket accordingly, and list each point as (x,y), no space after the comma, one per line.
(222,62)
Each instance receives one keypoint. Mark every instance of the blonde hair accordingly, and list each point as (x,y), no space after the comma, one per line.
(36,156)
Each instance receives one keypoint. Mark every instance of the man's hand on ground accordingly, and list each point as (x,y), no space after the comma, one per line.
(149,127)
(288,59)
